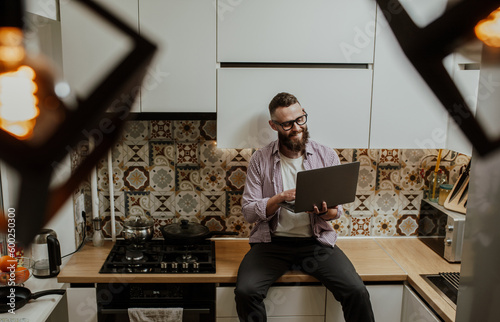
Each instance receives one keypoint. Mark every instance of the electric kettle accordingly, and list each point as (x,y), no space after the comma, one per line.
(46,253)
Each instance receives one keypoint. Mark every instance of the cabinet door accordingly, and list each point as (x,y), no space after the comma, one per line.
(283,303)
(280,319)
(466,77)
(82,304)
(47,8)
(405,112)
(337,101)
(333,31)
(183,71)
(414,309)
(386,304)
(91,47)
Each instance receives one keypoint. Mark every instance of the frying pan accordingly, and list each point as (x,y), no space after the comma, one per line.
(15,297)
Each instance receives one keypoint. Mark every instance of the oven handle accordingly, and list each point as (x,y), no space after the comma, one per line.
(116,311)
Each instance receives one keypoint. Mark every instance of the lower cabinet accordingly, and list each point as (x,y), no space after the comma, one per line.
(414,309)
(386,304)
(312,303)
(283,303)
(82,304)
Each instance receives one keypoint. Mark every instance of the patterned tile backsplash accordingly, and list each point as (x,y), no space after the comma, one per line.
(173,169)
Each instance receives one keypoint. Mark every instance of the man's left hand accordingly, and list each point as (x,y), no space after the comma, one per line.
(325,213)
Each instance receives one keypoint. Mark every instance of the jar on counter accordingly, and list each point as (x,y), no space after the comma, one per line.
(435,181)
(444,191)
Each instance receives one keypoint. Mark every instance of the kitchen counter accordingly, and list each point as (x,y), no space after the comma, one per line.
(84,266)
(375,259)
(41,308)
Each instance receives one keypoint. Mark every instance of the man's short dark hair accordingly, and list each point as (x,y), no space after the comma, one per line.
(281,100)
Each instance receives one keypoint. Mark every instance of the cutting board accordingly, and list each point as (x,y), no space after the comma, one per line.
(457,199)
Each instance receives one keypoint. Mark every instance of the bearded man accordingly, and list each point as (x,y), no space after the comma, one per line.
(282,240)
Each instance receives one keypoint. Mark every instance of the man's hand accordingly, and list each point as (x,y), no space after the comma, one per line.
(272,203)
(325,213)
(288,195)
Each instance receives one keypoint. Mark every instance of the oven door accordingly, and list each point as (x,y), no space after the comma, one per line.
(196,300)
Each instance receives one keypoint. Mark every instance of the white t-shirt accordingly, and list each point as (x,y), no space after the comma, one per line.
(292,224)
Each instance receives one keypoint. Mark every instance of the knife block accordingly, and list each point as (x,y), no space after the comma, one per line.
(457,199)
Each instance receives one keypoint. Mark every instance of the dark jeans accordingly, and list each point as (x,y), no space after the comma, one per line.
(266,262)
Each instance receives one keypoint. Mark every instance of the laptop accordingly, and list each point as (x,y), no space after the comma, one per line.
(336,185)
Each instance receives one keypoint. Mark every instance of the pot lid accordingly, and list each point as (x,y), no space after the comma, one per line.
(185,230)
(138,221)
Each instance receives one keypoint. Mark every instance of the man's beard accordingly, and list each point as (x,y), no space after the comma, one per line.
(295,146)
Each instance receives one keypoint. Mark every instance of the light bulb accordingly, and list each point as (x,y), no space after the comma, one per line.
(18,90)
(488,30)
(18,102)
(27,90)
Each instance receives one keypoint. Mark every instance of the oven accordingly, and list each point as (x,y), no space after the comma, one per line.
(442,230)
(196,300)
(156,257)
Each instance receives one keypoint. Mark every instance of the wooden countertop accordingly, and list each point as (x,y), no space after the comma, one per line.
(375,260)
(84,266)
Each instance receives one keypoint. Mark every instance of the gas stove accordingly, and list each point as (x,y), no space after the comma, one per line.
(158,257)
(446,284)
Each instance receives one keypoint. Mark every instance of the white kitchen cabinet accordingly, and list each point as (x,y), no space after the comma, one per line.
(184,69)
(182,76)
(414,309)
(326,31)
(465,74)
(386,304)
(91,47)
(82,304)
(47,8)
(337,101)
(283,303)
(405,112)
(281,319)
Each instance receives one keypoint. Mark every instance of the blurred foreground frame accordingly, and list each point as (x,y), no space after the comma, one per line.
(427,47)
(37,202)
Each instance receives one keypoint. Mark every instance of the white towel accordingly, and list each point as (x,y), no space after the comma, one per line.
(139,314)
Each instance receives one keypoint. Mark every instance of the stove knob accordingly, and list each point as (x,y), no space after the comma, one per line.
(163,265)
(448,242)
(449,227)
(196,265)
(185,266)
(174,266)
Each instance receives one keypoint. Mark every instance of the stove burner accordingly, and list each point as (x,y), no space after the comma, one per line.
(156,256)
(133,255)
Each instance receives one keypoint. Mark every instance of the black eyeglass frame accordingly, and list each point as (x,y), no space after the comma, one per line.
(291,122)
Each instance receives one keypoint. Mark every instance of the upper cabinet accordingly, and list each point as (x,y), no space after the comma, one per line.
(92,47)
(337,101)
(47,8)
(182,76)
(318,31)
(465,73)
(405,112)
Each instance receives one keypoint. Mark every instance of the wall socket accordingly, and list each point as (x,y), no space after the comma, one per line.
(79,207)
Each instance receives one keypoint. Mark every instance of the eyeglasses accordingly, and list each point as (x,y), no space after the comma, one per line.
(287,126)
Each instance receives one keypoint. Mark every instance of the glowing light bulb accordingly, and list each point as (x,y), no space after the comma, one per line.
(18,102)
(12,51)
(488,30)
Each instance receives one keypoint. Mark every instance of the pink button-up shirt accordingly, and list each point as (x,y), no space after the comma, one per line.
(264,181)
